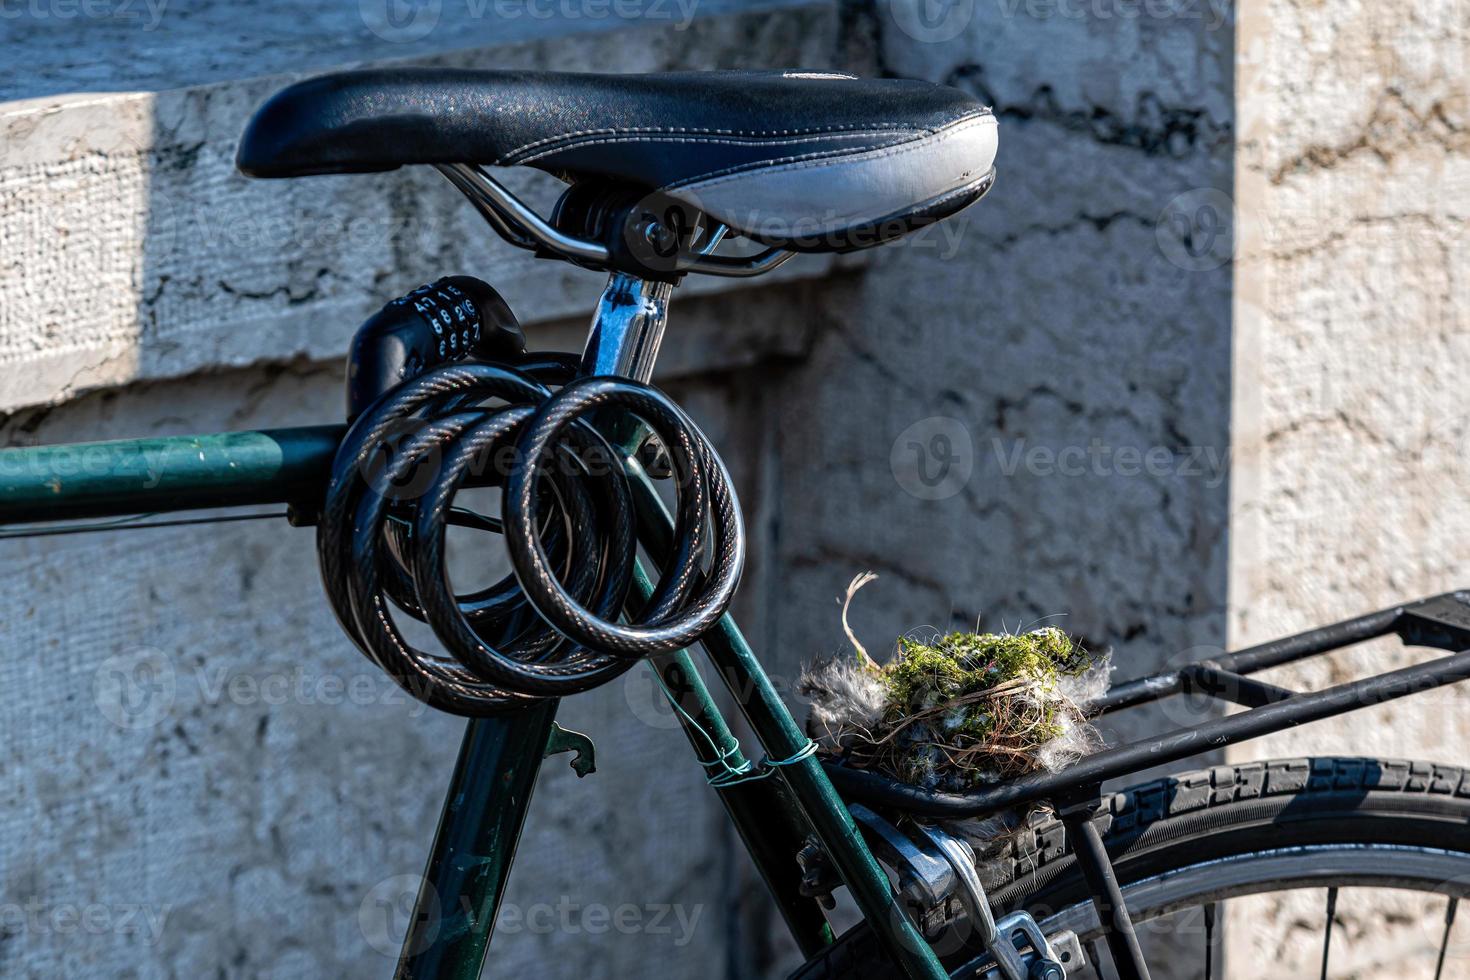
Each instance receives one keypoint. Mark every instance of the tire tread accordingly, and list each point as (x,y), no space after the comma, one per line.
(1186,804)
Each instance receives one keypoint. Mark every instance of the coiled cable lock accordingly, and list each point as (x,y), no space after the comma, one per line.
(528,425)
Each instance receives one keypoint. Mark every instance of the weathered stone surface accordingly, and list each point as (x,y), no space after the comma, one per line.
(1079,374)
(157,45)
(1118,454)
(131,249)
(254,808)
(204,766)
(1351,432)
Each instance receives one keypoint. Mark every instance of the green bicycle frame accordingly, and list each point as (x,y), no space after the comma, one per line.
(488,799)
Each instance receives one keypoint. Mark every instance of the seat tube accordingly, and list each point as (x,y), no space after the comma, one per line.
(485,808)
(624,340)
(489,794)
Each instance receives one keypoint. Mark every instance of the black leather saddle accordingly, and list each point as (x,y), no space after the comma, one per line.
(808,160)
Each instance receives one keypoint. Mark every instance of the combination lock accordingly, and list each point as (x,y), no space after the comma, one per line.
(456,318)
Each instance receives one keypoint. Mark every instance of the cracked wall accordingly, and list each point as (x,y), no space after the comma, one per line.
(263,806)
(260,806)
(1022,415)
(1352,432)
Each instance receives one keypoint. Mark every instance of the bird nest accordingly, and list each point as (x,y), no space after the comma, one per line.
(954,711)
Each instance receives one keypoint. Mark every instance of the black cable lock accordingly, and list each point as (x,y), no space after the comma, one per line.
(444,396)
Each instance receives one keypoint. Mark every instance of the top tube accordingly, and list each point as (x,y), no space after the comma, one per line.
(159,475)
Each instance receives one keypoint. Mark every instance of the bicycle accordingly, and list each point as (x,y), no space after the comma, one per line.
(662,170)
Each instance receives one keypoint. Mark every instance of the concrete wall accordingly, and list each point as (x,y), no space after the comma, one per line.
(1058,335)
(203,764)
(1351,429)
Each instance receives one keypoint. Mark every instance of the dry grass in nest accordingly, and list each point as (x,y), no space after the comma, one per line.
(961,710)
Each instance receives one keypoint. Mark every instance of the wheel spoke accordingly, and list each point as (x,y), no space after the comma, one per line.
(1212,911)
(1327,933)
(1449,925)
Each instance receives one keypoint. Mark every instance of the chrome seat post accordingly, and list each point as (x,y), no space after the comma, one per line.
(627,328)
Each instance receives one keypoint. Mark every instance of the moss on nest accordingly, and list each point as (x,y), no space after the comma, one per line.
(962,709)
(969,708)
(958,664)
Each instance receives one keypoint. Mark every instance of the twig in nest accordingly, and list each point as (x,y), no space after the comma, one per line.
(858,581)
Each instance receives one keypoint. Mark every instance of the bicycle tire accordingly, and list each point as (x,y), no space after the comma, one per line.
(1207,819)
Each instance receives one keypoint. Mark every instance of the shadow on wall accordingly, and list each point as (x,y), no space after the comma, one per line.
(1022,416)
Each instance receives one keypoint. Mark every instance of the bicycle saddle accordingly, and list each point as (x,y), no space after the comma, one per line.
(812,161)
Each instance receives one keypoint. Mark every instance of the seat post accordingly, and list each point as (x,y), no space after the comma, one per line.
(627,328)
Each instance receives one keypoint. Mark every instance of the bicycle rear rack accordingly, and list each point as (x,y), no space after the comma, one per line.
(1439,622)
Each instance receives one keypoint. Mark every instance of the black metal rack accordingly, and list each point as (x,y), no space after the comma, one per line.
(1440,622)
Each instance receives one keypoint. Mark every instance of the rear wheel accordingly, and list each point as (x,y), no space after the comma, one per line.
(1181,846)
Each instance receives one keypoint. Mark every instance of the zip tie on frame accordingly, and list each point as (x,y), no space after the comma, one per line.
(733,775)
(769,765)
